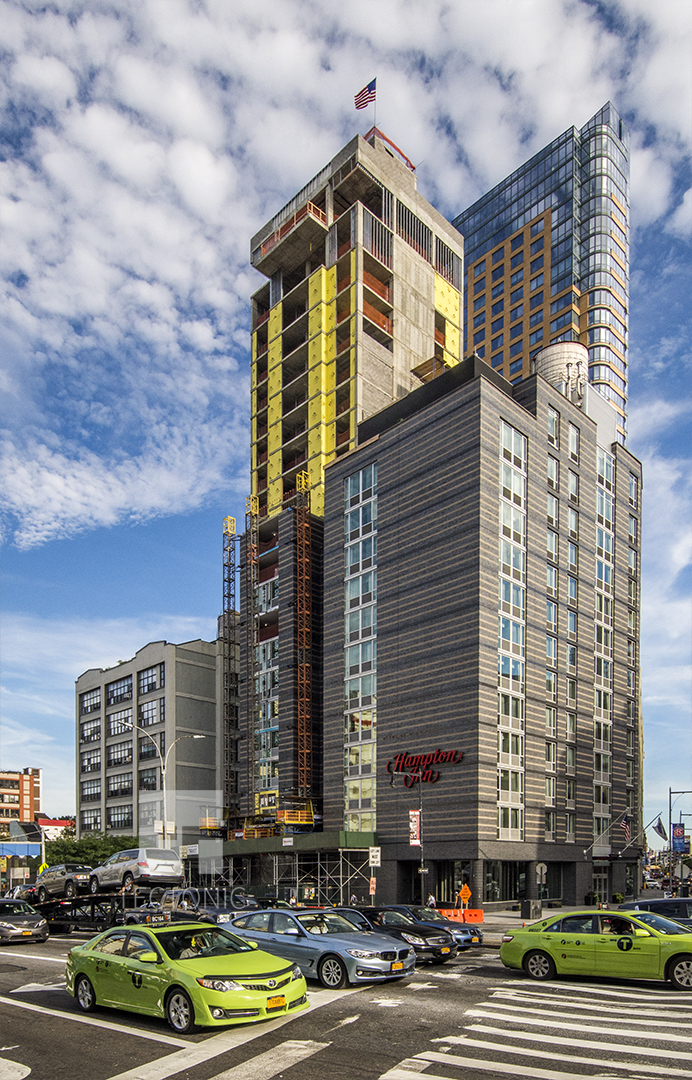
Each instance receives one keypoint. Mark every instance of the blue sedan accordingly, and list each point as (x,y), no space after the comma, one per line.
(326,946)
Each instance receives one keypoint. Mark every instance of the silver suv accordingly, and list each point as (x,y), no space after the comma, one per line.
(137,866)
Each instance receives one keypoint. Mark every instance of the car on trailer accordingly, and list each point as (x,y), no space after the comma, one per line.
(64,879)
(137,866)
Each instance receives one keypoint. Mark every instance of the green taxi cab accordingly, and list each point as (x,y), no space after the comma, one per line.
(191,974)
(605,943)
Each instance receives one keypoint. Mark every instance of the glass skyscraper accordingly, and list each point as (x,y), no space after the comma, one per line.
(547,258)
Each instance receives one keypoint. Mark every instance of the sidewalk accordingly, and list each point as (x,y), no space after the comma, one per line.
(497,923)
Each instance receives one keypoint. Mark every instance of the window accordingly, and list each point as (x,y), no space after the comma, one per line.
(605,469)
(551,721)
(551,650)
(516,277)
(517,241)
(147,680)
(571,658)
(90,761)
(536,301)
(516,313)
(550,756)
(512,560)
(479,286)
(536,264)
(91,820)
(146,714)
(570,762)
(571,691)
(550,790)
(570,828)
(496,360)
(510,636)
(497,308)
(479,319)
(478,337)
(498,255)
(573,557)
(120,753)
(119,722)
(551,685)
(634,491)
(119,817)
(551,580)
(510,711)
(551,544)
(632,561)
(119,784)
(572,624)
(536,317)
(121,690)
(478,303)
(516,260)
(573,523)
(573,486)
(574,443)
(90,701)
(632,529)
(479,268)
(537,246)
(553,511)
(516,330)
(495,327)
(553,428)
(148,779)
(90,790)
(551,615)
(498,289)
(572,594)
(553,473)
(90,731)
(536,282)
(571,726)
(510,785)
(497,342)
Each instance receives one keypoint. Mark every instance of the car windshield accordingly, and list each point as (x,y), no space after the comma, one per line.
(325,923)
(162,854)
(427,914)
(664,926)
(16,907)
(76,866)
(200,942)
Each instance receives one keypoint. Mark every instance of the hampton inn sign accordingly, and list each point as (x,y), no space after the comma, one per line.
(417,767)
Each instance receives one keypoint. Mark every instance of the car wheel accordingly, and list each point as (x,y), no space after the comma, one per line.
(179,1012)
(128,882)
(680,972)
(84,993)
(69,889)
(332,973)
(538,965)
(93,886)
(42,895)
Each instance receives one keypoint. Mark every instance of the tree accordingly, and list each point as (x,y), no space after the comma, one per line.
(92,849)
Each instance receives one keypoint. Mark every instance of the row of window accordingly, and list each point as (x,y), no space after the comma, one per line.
(148,680)
(117,817)
(119,784)
(148,713)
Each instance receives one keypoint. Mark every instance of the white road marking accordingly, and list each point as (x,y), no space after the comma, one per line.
(562,1040)
(196,1054)
(576,1016)
(595,988)
(43,959)
(445,975)
(267,1065)
(488,1014)
(551,1055)
(30,987)
(422,986)
(500,1066)
(346,1020)
(387,1003)
(574,1003)
(12,1070)
(93,1022)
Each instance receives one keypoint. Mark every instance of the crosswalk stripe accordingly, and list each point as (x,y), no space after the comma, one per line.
(593,988)
(405,1070)
(572,1003)
(534,1021)
(563,1040)
(267,1065)
(576,1016)
(552,1055)
(546,995)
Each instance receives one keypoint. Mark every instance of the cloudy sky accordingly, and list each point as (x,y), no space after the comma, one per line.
(143,141)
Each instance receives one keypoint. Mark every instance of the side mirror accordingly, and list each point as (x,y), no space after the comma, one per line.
(292,931)
(253,944)
(641,933)
(148,958)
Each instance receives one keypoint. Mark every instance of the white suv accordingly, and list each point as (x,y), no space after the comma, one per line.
(137,866)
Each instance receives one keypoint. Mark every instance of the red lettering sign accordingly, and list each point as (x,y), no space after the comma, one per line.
(416,767)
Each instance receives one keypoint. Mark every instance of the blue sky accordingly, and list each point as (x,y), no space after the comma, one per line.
(142,142)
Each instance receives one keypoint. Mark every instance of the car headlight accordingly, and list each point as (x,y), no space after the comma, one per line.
(219,984)
(40,924)
(361,954)
(507,937)
(7,926)
(296,973)
(413,939)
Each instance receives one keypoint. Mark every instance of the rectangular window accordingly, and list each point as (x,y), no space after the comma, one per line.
(516,260)
(554,430)
(147,713)
(551,650)
(551,615)
(517,241)
(515,348)
(572,591)
(551,721)
(90,731)
(479,319)
(553,508)
(552,545)
(570,760)
(536,317)
(574,443)
(478,303)
(571,726)
(572,625)
(551,580)
(551,685)
(121,690)
(573,485)
(634,491)
(497,342)
(479,268)
(119,784)
(550,755)
(91,820)
(553,472)
(90,701)
(90,761)
(119,817)
(147,680)
(479,286)
(516,277)
(148,779)
(496,360)
(90,790)
(537,246)
(120,753)
(480,336)
(536,264)
(573,557)
(632,529)
(498,289)
(497,308)
(498,254)
(536,336)
(571,692)
(516,330)
(536,282)
(632,561)
(573,523)
(536,301)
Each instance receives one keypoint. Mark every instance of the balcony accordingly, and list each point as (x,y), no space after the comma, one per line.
(292,243)
(377,286)
(371,313)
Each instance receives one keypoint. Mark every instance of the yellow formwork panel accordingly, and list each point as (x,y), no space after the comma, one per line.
(254,356)
(275,355)
(275,496)
(449,359)
(452,339)
(447,300)
(274,447)
(275,321)
(317,499)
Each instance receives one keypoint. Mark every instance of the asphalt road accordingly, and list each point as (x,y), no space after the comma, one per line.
(468,1020)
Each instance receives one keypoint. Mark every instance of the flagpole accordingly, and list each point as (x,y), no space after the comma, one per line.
(642,832)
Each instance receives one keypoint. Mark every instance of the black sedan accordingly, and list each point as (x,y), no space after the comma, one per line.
(679,910)
(19,921)
(430,944)
(465,936)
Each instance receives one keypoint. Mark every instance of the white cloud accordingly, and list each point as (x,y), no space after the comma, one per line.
(680,221)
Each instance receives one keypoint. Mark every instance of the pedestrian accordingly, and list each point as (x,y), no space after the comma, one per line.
(292,900)
(354,900)
(431,901)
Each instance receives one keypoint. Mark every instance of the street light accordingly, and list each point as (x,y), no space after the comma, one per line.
(164,763)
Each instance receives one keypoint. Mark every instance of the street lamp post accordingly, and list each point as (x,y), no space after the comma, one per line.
(164,764)
(671,854)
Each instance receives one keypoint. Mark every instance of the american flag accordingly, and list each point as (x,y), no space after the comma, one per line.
(366,95)
(624,824)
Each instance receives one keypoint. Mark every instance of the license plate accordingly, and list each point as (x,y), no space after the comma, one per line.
(397,965)
(276,1002)
(445,948)
(474,939)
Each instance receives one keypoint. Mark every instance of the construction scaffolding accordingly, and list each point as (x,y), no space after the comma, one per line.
(320,877)
(251,646)
(304,634)
(229,646)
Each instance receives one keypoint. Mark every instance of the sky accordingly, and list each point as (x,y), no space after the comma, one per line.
(142,142)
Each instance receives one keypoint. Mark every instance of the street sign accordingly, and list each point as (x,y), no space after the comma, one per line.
(423,870)
(541,870)
(375,856)
(465,894)
(679,838)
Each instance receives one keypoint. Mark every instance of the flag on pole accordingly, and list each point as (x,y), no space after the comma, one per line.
(658,828)
(625,826)
(366,95)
